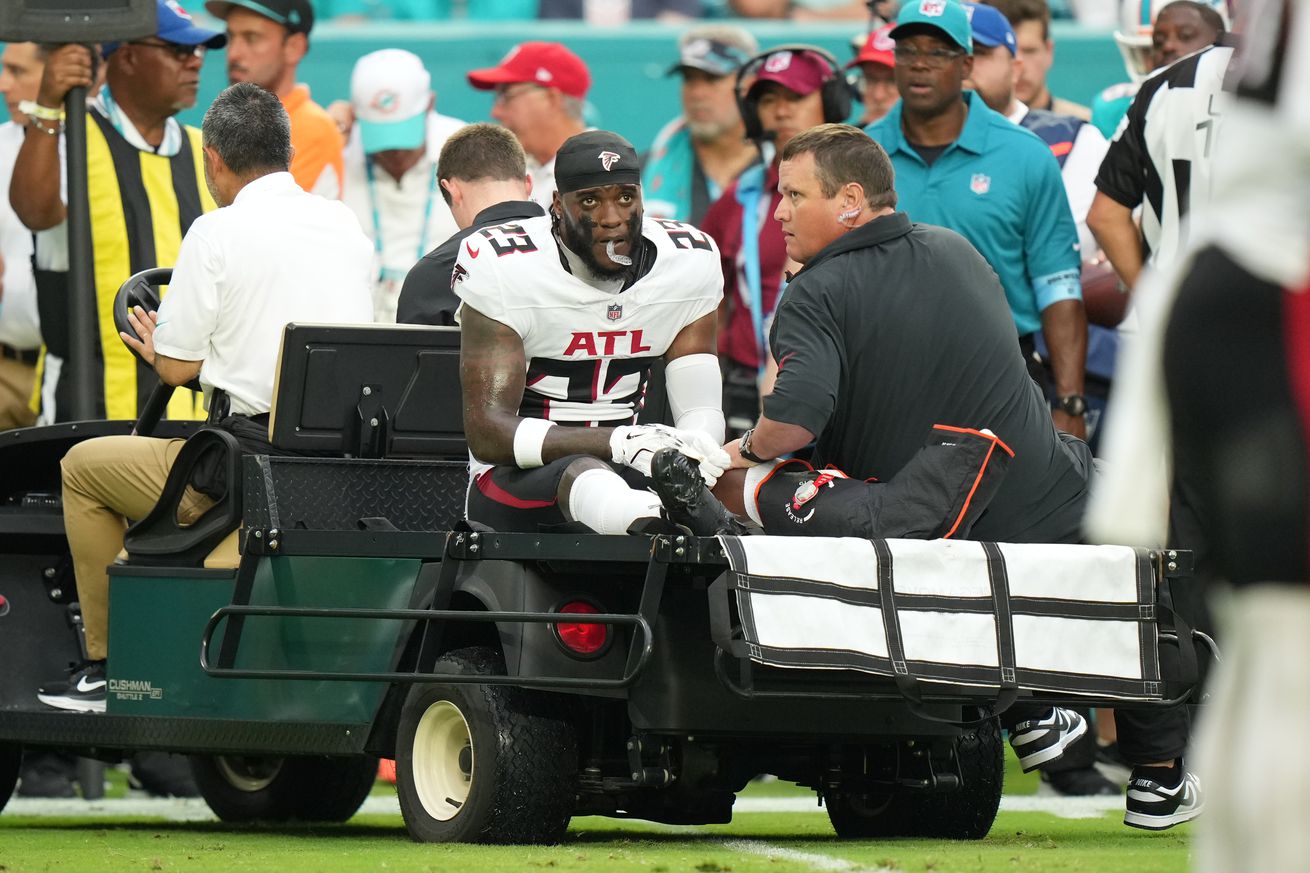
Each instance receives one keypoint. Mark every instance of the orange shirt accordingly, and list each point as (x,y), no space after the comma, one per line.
(317,163)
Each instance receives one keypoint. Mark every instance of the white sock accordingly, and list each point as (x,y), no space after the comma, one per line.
(602,501)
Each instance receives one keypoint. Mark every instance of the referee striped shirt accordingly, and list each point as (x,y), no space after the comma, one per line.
(1160,157)
(1259,210)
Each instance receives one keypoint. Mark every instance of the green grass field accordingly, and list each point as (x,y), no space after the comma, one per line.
(1020,842)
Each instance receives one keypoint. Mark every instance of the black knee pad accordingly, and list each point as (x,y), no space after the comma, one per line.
(800,501)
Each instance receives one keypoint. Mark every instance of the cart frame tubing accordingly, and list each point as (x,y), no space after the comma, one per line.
(457,548)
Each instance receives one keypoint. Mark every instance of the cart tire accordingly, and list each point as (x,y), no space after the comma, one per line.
(11,759)
(867,816)
(244,788)
(968,814)
(333,789)
(484,763)
(965,814)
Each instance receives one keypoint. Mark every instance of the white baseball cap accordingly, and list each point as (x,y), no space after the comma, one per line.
(391,91)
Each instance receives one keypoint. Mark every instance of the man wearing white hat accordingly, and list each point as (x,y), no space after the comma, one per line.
(391,167)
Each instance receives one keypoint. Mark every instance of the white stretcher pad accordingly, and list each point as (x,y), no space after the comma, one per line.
(1054,618)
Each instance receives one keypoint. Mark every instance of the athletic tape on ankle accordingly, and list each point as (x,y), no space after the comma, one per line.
(750,486)
(529,437)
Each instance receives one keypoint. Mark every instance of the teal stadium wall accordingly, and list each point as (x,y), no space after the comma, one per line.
(630,93)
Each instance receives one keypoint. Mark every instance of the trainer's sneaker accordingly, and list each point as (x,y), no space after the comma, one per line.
(1155,807)
(686,500)
(84,690)
(1039,740)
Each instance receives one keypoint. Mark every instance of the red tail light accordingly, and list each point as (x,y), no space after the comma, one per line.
(587,640)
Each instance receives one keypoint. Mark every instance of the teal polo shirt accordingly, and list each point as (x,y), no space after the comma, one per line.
(999,187)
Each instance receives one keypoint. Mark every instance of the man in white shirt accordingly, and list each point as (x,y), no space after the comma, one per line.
(541,92)
(274,254)
(391,168)
(20,330)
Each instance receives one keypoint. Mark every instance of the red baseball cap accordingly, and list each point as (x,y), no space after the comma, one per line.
(549,64)
(802,72)
(878,48)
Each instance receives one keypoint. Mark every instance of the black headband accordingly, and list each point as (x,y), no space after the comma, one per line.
(596,158)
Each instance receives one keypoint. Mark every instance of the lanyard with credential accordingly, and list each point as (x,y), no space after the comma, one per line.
(377,216)
(750,195)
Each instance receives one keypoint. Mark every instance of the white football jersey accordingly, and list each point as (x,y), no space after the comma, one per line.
(589,352)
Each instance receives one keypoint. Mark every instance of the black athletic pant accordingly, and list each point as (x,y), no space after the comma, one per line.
(1237,370)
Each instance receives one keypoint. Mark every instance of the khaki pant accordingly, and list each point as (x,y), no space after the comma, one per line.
(16,381)
(107,481)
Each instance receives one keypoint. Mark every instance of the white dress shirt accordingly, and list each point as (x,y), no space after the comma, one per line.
(275,255)
(20,328)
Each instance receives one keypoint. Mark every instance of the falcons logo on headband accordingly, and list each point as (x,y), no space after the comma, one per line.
(608,159)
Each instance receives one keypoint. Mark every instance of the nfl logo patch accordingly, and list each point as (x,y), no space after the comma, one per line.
(932,7)
(614,311)
(980,184)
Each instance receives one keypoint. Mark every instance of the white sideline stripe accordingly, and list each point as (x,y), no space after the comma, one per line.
(194,809)
(809,859)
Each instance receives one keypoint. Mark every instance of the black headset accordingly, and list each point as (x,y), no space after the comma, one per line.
(836,90)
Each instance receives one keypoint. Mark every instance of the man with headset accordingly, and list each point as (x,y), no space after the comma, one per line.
(782,92)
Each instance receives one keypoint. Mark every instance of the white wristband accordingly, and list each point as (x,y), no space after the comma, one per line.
(45,113)
(529,437)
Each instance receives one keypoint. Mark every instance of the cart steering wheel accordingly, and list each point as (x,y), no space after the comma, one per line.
(142,289)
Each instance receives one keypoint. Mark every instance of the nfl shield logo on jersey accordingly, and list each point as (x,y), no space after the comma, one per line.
(980,183)
(614,311)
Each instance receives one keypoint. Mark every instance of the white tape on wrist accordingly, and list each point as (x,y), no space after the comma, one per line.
(529,438)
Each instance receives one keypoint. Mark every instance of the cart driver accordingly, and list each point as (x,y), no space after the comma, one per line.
(273,254)
(562,317)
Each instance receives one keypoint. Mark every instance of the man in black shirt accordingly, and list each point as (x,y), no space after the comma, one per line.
(890,332)
(892,328)
(484,179)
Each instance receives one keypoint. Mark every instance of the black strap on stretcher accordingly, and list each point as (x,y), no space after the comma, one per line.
(1170,627)
(909,686)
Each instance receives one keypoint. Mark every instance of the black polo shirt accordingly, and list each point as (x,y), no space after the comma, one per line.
(426,298)
(896,327)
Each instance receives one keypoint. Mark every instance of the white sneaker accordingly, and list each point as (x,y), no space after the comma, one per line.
(1154,807)
(1044,739)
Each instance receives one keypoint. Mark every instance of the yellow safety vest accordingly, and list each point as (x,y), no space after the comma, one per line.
(141,205)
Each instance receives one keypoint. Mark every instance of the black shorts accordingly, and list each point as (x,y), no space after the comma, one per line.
(515,500)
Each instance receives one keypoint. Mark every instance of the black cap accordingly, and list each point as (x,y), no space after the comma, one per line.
(593,159)
(297,16)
